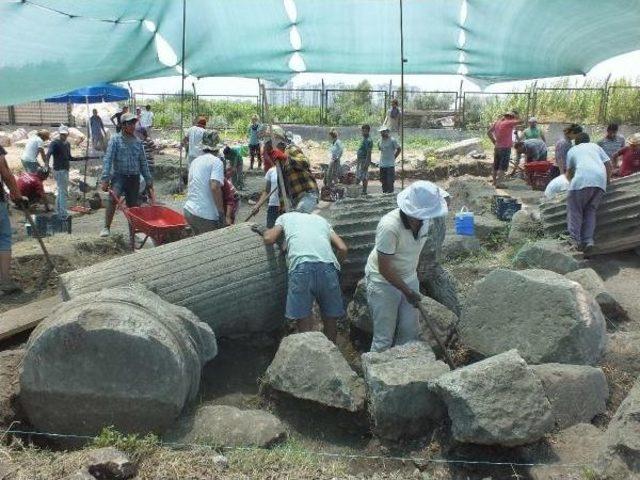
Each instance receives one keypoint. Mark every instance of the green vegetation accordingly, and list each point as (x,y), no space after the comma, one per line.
(134,445)
(361,104)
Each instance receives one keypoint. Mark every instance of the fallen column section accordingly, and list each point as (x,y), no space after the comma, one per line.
(617,220)
(227,277)
(121,357)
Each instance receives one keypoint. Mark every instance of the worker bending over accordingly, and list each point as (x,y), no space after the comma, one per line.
(391,278)
(313,269)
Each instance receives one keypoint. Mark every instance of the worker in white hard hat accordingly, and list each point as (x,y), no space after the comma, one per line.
(391,277)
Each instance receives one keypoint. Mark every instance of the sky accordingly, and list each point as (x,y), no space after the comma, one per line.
(623,66)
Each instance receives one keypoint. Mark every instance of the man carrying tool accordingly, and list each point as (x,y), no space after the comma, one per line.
(204,208)
(313,269)
(7,285)
(393,291)
(123,163)
(32,187)
(501,135)
(301,187)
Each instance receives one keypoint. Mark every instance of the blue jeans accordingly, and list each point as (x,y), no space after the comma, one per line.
(5,228)
(62,182)
(310,281)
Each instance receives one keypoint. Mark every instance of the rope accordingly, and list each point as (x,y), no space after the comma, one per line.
(346,456)
(71,15)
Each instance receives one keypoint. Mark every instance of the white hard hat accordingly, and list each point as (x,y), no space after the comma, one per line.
(63,130)
(423,200)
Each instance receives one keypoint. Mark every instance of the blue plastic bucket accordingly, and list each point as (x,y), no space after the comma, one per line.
(464,222)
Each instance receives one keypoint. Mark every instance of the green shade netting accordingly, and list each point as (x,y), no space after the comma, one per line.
(51,46)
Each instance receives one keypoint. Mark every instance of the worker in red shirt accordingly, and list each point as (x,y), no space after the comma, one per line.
(32,186)
(630,157)
(501,135)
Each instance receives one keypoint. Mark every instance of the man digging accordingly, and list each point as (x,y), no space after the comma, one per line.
(313,268)
(393,290)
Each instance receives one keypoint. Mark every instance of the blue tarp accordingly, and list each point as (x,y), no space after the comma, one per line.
(104,92)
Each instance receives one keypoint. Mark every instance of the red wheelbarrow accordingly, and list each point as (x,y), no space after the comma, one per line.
(155,221)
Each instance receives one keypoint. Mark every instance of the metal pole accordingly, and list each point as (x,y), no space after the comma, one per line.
(184,24)
(602,114)
(402,60)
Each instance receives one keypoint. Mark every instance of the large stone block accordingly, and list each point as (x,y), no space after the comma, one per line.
(498,401)
(121,357)
(592,283)
(577,393)
(400,401)
(551,255)
(225,426)
(309,366)
(545,316)
(620,457)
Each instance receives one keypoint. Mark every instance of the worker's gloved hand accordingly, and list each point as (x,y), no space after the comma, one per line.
(413,298)
(259,229)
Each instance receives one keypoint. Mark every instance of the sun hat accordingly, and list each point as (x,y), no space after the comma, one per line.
(128,117)
(383,128)
(423,200)
(63,130)
(533,120)
(634,139)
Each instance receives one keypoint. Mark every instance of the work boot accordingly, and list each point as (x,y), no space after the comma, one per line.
(105,232)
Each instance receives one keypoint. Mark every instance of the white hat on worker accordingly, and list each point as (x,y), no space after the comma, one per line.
(383,128)
(63,130)
(423,200)
(533,120)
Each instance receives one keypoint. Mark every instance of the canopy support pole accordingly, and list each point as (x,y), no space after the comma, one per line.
(86,156)
(402,60)
(184,23)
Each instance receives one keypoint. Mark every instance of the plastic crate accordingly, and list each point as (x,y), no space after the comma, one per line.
(504,207)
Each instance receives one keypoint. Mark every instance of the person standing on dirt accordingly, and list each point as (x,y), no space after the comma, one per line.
(146,120)
(533,131)
(394,116)
(204,208)
(363,159)
(233,160)
(60,150)
(272,190)
(34,146)
(612,142)
(501,135)
(393,290)
(389,151)
(7,285)
(313,269)
(123,163)
(335,154)
(254,141)
(118,118)
(98,132)
(193,140)
(589,171)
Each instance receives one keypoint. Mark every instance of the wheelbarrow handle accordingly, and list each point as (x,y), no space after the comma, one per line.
(119,200)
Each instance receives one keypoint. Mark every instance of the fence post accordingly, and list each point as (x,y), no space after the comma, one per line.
(602,113)
(323,104)
(534,105)
(12,115)
(463,107)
